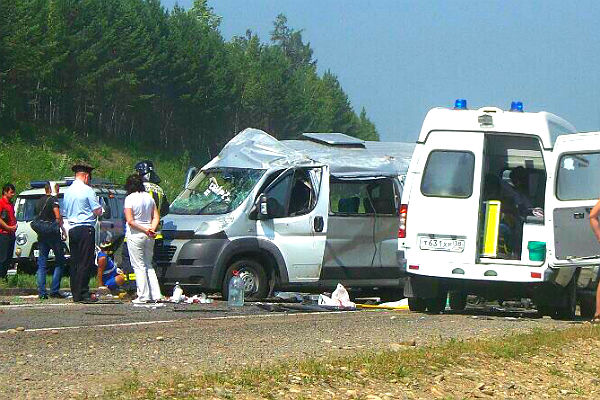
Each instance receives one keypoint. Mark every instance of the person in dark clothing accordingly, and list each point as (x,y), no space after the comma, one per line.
(81,209)
(47,208)
(8,227)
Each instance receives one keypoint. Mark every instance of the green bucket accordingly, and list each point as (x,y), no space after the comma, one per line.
(537,251)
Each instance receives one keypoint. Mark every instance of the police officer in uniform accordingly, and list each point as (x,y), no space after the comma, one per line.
(81,210)
(145,169)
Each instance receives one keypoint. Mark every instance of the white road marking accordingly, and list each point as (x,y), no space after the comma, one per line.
(38,306)
(124,324)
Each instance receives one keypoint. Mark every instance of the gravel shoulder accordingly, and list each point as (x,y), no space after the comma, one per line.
(87,360)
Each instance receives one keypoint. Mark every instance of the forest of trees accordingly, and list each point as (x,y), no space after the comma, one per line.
(131,70)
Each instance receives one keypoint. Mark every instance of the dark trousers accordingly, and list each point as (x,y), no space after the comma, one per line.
(81,244)
(7,246)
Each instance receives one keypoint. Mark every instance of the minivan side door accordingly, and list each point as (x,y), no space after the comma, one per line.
(298,201)
(572,190)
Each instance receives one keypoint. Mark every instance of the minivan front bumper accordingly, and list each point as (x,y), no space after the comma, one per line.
(192,263)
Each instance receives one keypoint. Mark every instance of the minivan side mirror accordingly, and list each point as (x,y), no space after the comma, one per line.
(262,207)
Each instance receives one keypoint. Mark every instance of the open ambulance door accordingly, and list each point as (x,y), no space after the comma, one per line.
(572,190)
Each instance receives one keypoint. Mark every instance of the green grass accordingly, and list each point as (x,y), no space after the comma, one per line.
(32,153)
(26,281)
(385,367)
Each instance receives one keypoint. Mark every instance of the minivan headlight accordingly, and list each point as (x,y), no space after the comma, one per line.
(21,239)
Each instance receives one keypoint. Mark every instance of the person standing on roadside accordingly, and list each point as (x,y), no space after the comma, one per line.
(142,218)
(47,208)
(8,227)
(151,180)
(595,224)
(81,210)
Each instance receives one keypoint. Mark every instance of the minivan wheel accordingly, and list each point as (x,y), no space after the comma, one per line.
(256,285)
(458,300)
(417,304)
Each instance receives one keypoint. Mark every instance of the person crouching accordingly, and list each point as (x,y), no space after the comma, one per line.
(142,219)
(108,275)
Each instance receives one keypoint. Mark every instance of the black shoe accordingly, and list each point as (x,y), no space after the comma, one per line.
(43,297)
(89,300)
(60,295)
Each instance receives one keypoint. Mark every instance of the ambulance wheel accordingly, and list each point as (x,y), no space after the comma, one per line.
(458,301)
(253,274)
(567,310)
(417,304)
(587,307)
(436,305)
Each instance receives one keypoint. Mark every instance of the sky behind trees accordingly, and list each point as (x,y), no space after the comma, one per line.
(400,58)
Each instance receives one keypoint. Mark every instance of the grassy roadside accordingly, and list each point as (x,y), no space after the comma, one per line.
(26,281)
(32,153)
(407,371)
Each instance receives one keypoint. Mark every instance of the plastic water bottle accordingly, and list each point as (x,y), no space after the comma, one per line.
(235,296)
(177,293)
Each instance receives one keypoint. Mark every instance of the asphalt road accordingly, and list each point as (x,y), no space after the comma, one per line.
(71,349)
(65,314)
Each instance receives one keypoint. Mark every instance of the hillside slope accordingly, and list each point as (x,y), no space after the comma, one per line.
(31,154)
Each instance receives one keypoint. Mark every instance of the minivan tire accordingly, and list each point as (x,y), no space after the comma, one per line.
(417,304)
(254,276)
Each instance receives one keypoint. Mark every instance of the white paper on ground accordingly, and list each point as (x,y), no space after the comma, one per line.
(339,298)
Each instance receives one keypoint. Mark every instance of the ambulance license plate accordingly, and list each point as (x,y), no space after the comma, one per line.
(442,244)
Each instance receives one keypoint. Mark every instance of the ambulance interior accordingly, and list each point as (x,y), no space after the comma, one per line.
(512,201)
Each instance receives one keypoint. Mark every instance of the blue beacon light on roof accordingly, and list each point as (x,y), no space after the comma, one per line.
(516,106)
(460,104)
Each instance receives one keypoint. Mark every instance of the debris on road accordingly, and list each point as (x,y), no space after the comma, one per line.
(339,298)
(392,305)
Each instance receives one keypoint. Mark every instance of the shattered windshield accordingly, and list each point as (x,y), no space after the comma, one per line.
(216,191)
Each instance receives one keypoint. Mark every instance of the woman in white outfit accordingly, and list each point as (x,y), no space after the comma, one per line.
(142,218)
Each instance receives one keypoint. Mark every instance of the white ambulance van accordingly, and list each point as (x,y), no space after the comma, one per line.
(496,204)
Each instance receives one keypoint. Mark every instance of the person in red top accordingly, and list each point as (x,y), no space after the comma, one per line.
(8,226)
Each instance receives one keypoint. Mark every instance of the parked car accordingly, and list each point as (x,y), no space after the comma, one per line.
(110,196)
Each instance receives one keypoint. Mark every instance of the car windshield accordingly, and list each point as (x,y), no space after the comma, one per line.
(25,207)
(216,191)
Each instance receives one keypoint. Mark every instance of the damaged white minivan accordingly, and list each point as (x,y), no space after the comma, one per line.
(288,215)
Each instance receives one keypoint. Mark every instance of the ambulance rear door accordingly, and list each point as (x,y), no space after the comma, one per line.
(572,190)
(443,213)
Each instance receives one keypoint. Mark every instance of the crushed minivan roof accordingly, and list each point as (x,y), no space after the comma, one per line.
(254,148)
